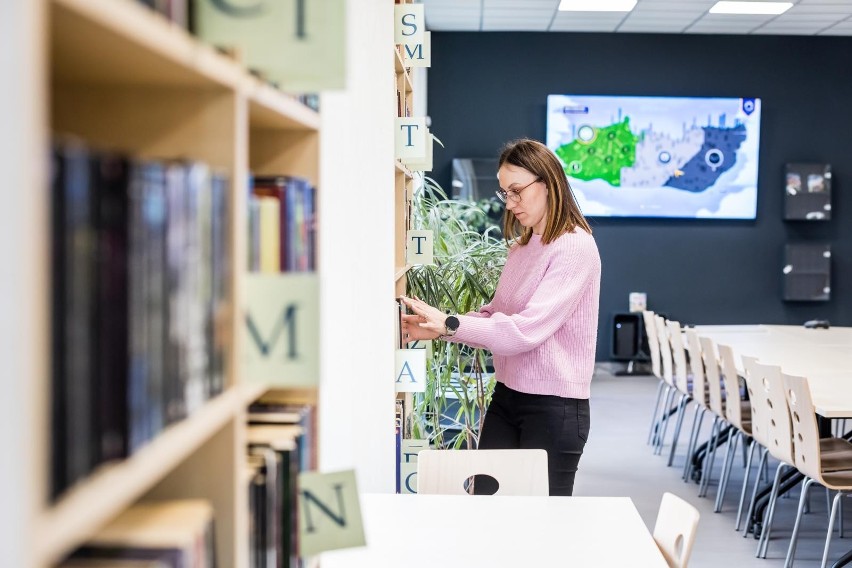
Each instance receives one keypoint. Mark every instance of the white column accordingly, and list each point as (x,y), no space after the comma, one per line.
(356,208)
(24,351)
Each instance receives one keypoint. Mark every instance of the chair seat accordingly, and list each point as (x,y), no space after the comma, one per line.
(828,445)
(835,454)
(838,480)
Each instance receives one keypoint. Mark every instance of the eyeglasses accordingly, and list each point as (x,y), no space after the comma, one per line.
(514,194)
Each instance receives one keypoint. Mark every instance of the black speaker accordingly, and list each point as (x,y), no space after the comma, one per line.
(627,335)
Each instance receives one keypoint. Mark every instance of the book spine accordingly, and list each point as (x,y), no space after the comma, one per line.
(112,188)
(79,318)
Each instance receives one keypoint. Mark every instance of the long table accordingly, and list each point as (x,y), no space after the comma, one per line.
(823,356)
(460,530)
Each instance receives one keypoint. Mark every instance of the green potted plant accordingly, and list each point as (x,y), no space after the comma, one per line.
(469,253)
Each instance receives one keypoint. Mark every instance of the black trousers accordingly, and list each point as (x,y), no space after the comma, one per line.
(537,421)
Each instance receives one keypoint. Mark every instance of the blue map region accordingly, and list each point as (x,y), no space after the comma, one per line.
(717,155)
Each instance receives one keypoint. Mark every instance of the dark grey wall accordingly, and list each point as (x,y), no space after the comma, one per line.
(487,88)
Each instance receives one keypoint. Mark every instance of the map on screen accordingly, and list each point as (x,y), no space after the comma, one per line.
(687,157)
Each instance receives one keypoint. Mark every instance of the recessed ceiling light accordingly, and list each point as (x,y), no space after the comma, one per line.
(596,5)
(761,8)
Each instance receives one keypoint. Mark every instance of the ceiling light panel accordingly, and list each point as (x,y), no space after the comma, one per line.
(736,7)
(522,5)
(596,5)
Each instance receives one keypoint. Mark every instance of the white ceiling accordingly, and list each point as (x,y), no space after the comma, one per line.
(806,17)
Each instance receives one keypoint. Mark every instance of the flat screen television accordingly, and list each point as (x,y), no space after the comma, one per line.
(685,157)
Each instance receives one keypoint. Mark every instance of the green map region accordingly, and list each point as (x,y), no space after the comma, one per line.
(600,153)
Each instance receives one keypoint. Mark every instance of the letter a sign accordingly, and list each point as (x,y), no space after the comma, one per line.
(410,370)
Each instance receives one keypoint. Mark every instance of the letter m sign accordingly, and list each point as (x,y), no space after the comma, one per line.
(280,329)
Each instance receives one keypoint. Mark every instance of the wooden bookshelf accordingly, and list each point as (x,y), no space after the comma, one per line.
(121,77)
(403,177)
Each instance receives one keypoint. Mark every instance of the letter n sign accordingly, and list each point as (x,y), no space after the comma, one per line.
(329,512)
(410,370)
(281,329)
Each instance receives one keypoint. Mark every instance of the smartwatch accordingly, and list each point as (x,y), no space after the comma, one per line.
(451,324)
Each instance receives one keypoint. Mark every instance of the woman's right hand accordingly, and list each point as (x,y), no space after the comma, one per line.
(412,331)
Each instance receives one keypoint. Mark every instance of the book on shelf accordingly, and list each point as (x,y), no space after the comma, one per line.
(139,286)
(111,563)
(73,323)
(282,224)
(276,456)
(175,534)
(176,11)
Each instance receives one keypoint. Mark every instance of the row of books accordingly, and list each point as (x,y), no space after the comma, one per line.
(282,225)
(157,534)
(140,304)
(282,443)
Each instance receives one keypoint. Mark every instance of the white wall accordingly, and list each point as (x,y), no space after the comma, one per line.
(356,260)
(23,281)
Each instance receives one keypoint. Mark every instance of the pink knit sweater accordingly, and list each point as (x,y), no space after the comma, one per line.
(541,326)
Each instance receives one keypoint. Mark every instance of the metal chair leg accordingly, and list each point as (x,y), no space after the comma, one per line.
(667,410)
(834,507)
(697,419)
(745,482)
(684,400)
(656,411)
(794,539)
(763,545)
(764,452)
(730,456)
(709,457)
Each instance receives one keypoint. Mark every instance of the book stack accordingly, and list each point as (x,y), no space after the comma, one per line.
(282,443)
(140,295)
(176,11)
(164,534)
(282,225)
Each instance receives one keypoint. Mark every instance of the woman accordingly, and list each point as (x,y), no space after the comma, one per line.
(541,326)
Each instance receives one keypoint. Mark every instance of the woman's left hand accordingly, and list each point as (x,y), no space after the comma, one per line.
(433,317)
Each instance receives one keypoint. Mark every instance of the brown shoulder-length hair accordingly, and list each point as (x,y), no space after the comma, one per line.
(563,213)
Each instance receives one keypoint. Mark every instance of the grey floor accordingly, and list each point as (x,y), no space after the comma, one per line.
(617,462)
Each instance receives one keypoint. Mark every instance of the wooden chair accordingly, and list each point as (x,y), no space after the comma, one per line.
(682,380)
(668,378)
(738,415)
(824,461)
(717,407)
(654,346)
(674,531)
(518,472)
(699,395)
(767,393)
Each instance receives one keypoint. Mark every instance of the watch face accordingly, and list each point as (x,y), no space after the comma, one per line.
(452,323)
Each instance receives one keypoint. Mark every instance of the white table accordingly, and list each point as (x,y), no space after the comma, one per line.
(823,356)
(431,531)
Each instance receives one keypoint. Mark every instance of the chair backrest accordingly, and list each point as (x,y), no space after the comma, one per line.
(665,350)
(714,379)
(653,342)
(754,373)
(731,380)
(681,372)
(805,428)
(674,532)
(696,365)
(518,472)
(779,426)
